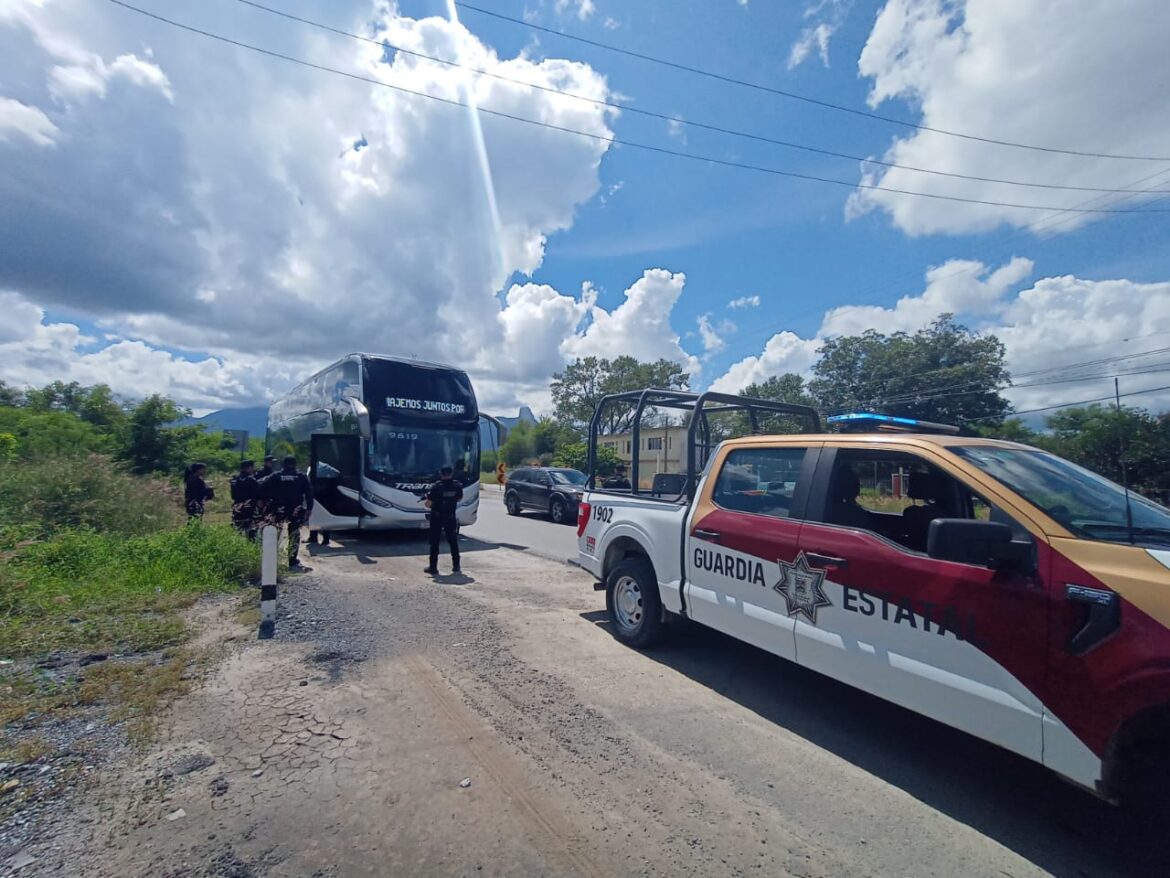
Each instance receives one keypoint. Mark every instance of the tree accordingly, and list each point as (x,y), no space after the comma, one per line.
(576,456)
(548,435)
(1094,436)
(1013,430)
(10,396)
(578,389)
(519,447)
(788,387)
(941,373)
(152,446)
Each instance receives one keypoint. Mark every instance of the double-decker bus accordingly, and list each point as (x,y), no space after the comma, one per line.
(372,433)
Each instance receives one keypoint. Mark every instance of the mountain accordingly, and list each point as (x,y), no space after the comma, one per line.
(487,438)
(254,420)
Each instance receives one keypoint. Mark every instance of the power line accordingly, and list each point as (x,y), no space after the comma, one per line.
(1063,405)
(604,139)
(868,296)
(799,97)
(666,117)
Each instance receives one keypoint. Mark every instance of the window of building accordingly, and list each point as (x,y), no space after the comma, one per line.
(759,480)
(654,443)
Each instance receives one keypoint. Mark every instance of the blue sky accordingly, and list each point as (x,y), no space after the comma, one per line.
(197,190)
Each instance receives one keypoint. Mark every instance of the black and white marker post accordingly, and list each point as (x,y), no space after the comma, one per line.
(268,546)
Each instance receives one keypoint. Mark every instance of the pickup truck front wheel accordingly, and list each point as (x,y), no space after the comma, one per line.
(631,598)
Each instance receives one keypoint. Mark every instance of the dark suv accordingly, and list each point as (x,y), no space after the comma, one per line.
(549,489)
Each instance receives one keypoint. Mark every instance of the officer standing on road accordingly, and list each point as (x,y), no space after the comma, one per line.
(618,480)
(288,499)
(246,499)
(443,499)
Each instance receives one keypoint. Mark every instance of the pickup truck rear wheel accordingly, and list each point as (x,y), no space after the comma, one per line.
(631,598)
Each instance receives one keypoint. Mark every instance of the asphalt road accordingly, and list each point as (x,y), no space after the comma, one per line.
(530,531)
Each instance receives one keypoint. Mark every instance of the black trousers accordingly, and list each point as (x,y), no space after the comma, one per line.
(450,527)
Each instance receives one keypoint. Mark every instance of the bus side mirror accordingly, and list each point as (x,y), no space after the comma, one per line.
(971,541)
(363,416)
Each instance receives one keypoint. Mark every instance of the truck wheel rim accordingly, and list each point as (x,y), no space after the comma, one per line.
(627,603)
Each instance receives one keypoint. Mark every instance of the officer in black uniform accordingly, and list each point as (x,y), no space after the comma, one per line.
(288,500)
(443,499)
(196,491)
(618,480)
(268,469)
(246,499)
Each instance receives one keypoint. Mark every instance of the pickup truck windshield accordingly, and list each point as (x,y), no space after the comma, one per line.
(1087,504)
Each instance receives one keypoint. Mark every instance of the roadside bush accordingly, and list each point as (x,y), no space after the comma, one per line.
(107,592)
(40,498)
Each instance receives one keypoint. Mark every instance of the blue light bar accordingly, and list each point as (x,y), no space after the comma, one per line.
(863,421)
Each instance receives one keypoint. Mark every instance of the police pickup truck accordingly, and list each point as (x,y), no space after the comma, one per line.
(989,585)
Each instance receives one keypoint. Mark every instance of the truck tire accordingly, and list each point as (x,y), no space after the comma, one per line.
(512,503)
(633,604)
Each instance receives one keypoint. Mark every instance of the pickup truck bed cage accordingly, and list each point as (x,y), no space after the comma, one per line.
(699,405)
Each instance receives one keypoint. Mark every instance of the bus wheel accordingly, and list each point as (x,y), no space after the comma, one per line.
(556,510)
(633,604)
(512,503)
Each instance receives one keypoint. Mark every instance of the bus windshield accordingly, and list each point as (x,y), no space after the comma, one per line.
(400,452)
(1087,504)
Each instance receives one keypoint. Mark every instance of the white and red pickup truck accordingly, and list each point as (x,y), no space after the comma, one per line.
(989,585)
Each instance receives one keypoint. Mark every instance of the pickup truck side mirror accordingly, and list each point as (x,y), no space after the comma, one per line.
(972,541)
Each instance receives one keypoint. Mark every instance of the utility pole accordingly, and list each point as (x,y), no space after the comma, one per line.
(1121,457)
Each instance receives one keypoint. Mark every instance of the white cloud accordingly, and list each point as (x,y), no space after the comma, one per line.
(1082,71)
(744,302)
(611,24)
(712,341)
(957,287)
(241,221)
(1056,323)
(639,326)
(31,122)
(676,127)
(828,15)
(583,9)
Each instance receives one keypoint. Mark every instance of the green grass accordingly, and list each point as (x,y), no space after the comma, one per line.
(107,593)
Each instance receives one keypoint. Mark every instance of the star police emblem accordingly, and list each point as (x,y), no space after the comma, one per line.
(802,589)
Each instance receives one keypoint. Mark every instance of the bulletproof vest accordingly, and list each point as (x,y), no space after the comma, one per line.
(245,488)
(285,488)
(445,497)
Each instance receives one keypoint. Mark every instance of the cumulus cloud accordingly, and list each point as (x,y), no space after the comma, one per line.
(744,302)
(712,341)
(1054,325)
(639,326)
(1057,73)
(205,199)
(20,119)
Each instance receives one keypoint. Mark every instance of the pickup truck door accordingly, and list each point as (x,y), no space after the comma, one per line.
(960,643)
(743,532)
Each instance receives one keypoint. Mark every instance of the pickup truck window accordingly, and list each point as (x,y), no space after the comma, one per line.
(898,495)
(759,480)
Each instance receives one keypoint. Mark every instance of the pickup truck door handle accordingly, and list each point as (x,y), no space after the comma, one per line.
(711,536)
(1102,619)
(826,560)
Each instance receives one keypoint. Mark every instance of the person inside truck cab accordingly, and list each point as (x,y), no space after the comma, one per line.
(936,493)
(618,481)
(843,509)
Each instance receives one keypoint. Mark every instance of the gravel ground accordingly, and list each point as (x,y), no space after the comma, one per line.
(488,724)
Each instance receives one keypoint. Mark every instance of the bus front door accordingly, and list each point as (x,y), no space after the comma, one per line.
(335,471)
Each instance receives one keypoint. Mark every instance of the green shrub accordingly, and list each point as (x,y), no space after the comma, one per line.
(39,498)
(110,592)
